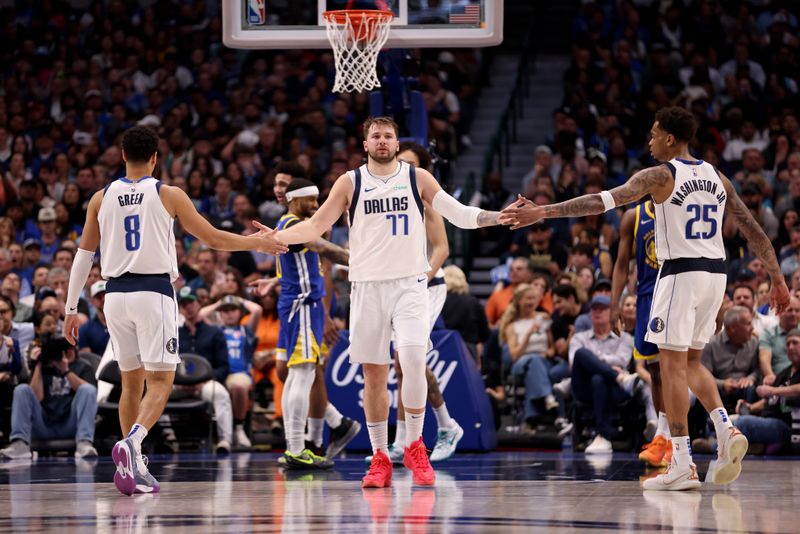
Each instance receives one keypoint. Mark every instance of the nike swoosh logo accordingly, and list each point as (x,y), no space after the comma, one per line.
(421,279)
(647,221)
(367,190)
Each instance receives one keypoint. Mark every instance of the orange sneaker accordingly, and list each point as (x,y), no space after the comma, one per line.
(416,459)
(655,453)
(380,472)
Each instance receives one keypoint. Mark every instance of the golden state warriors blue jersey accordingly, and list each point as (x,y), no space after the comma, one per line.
(299,271)
(644,248)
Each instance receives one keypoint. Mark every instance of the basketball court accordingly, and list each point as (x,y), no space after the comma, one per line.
(496,492)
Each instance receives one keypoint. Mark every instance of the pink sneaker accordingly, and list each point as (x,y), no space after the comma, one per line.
(416,459)
(380,472)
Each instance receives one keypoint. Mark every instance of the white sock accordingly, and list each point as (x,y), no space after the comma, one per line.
(414,423)
(682,451)
(400,434)
(379,436)
(137,434)
(663,426)
(315,428)
(719,416)
(443,419)
(332,416)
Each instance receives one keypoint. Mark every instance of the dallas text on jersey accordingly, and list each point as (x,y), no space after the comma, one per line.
(690,186)
(382,205)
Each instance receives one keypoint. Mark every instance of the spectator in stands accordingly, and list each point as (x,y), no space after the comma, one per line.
(59,403)
(93,335)
(240,341)
(520,272)
(463,312)
(599,358)
(769,420)
(567,309)
(753,199)
(743,295)
(47,234)
(11,288)
(526,332)
(208,273)
(10,370)
(790,252)
(546,255)
(267,332)
(21,333)
(584,321)
(732,357)
(772,358)
(198,337)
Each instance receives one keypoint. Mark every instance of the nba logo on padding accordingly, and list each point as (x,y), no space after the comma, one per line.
(657,324)
(256,12)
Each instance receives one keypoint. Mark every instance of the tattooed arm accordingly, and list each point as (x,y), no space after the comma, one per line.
(758,242)
(646,181)
(329,251)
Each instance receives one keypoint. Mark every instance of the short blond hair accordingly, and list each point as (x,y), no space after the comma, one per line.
(382,121)
(455,280)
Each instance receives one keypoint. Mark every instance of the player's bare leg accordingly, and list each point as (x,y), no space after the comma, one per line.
(376,410)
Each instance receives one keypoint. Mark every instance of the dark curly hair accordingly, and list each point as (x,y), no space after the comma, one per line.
(677,121)
(292,168)
(139,144)
(423,155)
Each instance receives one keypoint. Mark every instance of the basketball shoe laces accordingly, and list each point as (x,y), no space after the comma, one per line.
(419,457)
(378,466)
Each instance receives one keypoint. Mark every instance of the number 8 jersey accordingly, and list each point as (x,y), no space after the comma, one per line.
(689,222)
(136,230)
(387,226)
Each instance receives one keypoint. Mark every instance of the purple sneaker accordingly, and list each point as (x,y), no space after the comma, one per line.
(132,475)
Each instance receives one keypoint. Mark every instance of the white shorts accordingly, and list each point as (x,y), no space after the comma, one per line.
(143,326)
(437,294)
(685,307)
(386,310)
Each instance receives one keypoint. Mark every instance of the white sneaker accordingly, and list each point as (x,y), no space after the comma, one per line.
(564,426)
(18,450)
(628,382)
(223,447)
(240,438)
(563,388)
(674,479)
(84,449)
(446,441)
(599,445)
(730,452)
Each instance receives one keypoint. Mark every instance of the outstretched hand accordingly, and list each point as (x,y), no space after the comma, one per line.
(270,242)
(262,286)
(521,212)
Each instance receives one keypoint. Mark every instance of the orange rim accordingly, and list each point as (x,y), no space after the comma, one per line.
(340,16)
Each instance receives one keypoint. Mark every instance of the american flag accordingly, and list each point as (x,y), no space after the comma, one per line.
(469,14)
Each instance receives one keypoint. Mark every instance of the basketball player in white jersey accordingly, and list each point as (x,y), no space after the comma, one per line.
(690,198)
(388,266)
(131,220)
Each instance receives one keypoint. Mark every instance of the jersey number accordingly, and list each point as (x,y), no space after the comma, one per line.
(703,213)
(133,238)
(394,218)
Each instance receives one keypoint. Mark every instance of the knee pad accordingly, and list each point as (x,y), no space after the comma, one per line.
(415,387)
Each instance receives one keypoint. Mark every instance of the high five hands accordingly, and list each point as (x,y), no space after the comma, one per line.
(270,242)
(521,212)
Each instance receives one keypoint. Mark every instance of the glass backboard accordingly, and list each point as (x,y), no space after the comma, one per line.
(416,24)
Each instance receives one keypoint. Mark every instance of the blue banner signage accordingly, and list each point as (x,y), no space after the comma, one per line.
(459,381)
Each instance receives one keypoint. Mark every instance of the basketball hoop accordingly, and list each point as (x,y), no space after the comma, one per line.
(356,37)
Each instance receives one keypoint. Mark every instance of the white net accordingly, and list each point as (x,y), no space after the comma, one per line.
(357,38)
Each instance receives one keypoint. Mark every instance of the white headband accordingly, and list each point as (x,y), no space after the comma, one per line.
(310,191)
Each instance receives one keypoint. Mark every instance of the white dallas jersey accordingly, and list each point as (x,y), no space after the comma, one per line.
(135,230)
(387,226)
(689,222)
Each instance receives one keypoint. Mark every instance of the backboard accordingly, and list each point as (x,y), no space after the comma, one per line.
(293,24)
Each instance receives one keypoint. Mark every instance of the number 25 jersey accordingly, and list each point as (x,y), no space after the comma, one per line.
(387,226)
(689,222)
(135,230)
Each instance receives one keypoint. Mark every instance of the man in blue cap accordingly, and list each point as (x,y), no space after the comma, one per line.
(599,358)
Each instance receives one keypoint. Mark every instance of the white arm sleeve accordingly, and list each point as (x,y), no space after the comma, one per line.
(81,266)
(455,212)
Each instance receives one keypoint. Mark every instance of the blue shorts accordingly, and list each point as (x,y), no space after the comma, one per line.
(301,335)
(643,350)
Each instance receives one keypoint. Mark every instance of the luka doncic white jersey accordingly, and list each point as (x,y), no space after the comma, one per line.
(387,226)
(136,230)
(689,222)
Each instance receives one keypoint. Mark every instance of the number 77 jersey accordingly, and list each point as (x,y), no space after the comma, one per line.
(689,222)
(387,226)
(136,231)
